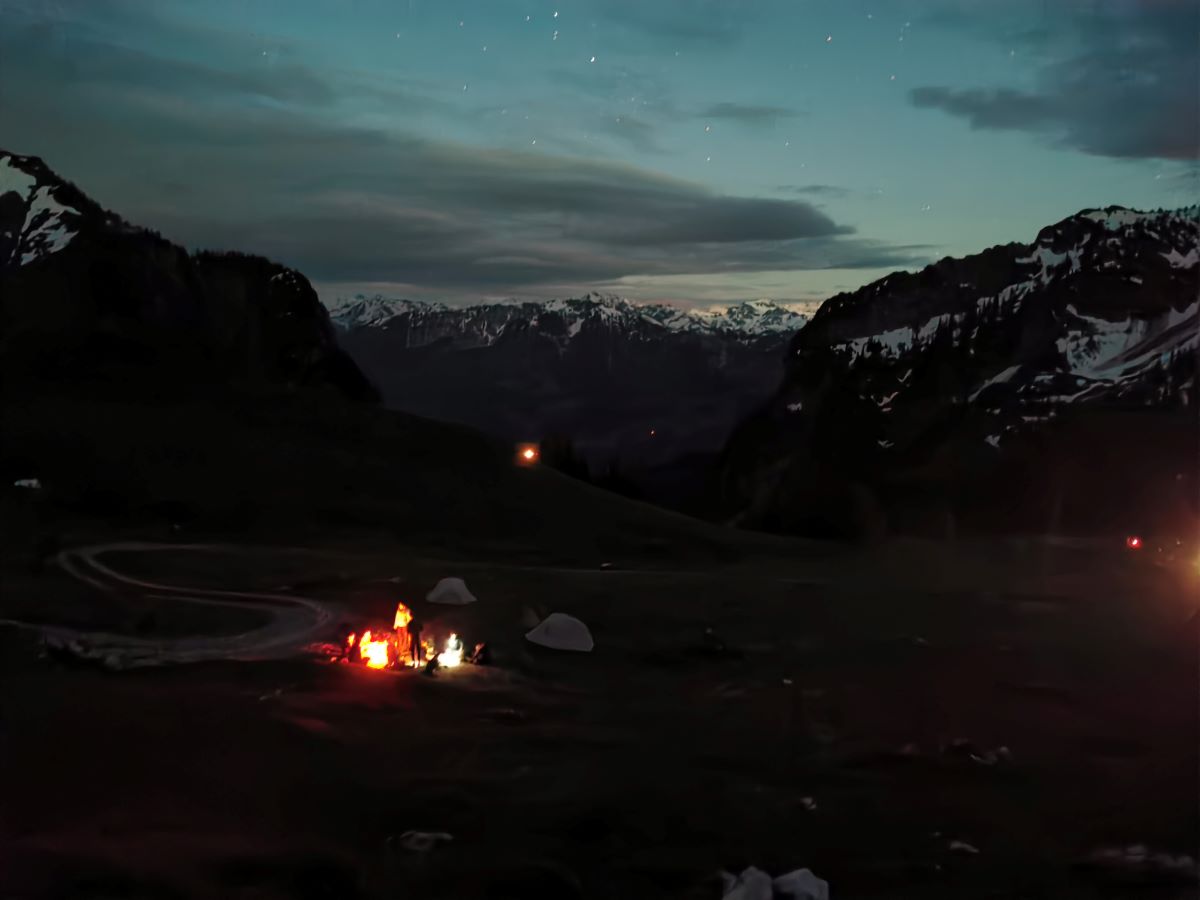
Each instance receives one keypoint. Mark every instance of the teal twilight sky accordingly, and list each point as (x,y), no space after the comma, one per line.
(680,150)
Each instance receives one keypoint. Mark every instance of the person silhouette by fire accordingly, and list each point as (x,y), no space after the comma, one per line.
(413,628)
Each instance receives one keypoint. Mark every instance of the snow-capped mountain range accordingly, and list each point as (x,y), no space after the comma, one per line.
(487,322)
(643,382)
(1115,290)
(1098,315)
(1055,375)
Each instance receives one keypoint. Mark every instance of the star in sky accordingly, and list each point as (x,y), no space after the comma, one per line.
(391,146)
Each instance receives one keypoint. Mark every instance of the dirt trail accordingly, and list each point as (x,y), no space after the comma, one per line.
(293,621)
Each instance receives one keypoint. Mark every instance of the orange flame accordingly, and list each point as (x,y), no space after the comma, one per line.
(374,652)
(383,649)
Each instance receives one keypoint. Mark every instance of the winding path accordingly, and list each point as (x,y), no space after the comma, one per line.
(293,621)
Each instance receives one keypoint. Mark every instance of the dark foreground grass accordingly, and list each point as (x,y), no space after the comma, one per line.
(639,769)
(635,771)
(289,466)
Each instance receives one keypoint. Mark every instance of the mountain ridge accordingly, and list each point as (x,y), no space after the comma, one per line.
(933,374)
(642,384)
(84,292)
(748,318)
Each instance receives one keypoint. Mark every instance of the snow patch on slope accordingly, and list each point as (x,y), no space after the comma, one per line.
(1103,349)
(1094,343)
(1179,260)
(1001,378)
(47,229)
(1049,259)
(1116,218)
(42,225)
(895,341)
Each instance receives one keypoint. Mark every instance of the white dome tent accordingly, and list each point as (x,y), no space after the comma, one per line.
(558,631)
(451,592)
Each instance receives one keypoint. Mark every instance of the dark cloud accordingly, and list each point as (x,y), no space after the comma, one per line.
(748,113)
(464,220)
(456,254)
(815,190)
(999,109)
(52,52)
(257,160)
(98,64)
(706,219)
(1126,83)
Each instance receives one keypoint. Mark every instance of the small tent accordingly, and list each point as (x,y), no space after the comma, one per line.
(451,592)
(559,631)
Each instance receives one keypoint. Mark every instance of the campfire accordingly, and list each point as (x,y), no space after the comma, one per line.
(381,648)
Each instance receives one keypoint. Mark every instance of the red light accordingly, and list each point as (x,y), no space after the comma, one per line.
(1133,542)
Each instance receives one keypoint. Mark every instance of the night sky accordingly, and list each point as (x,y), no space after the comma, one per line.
(683,150)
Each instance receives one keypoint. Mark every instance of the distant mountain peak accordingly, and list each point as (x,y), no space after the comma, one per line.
(1093,264)
(77,282)
(366,312)
(39,214)
(746,319)
(640,382)
(977,366)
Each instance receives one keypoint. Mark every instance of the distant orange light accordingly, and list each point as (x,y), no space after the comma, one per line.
(652,432)
(1133,542)
(528,454)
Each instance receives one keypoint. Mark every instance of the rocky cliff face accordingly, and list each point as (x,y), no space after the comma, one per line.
(85,295)
(1012,385)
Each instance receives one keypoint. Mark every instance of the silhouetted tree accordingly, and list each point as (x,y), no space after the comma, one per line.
(558,451)
(613,478)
